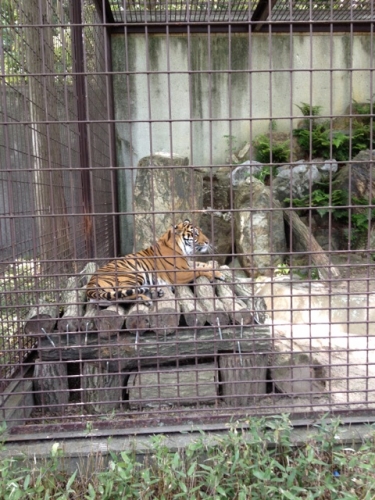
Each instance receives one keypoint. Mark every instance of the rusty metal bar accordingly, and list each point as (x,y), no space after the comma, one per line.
(80,88)
(181,109)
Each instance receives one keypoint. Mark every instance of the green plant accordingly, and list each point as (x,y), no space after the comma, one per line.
(336,202)
(273,125)
(256,458)
(323,200)
(265,173)
(265,152)
(361,136)
(364,108)
(319,140)
(282,270)
(309,110)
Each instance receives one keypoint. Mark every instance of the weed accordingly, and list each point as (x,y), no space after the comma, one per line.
(265,152)
(364,108)
(253,459)
(335,202)
(265,173)
(309,110)
(319,140)
(273,125)
(282,270)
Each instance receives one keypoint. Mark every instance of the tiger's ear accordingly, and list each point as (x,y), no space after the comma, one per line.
(180,225)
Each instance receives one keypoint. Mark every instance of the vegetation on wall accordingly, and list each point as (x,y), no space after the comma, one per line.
(267,152)
(318,139)
(355,221)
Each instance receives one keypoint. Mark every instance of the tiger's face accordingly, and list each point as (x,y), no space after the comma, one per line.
(191,239)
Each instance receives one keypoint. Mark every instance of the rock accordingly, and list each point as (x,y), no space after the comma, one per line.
(298,373)
(163,160)
(358,178)
(325,167)
(166,191)
(259,232)
(330,241)
(327,234)
(216,222)
(336,328)
(329,237)
(295,181)
(345,123)
(218,227)
(216,189)
(240,155)
(355,176)
(243,171)
(301,177)
(309,311)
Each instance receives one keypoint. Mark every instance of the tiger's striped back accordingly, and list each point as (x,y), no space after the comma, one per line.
(136,274)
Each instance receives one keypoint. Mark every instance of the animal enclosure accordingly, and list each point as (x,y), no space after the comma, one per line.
(254,120)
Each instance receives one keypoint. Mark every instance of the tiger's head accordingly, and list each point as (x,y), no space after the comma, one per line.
(188,238)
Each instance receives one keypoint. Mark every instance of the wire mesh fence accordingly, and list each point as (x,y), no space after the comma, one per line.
(228,148)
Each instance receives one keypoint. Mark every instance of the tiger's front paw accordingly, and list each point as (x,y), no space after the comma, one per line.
(156,293)
(219,276)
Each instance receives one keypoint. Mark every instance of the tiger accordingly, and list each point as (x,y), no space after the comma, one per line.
(165,263)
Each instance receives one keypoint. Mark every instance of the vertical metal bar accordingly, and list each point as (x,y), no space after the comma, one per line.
(79,84)
(108,18)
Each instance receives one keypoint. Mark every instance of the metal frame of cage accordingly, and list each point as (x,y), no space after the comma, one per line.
(59,129)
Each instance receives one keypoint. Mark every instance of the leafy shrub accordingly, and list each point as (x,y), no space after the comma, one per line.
(335,202)
(267,153)
(363,109)
(309,110)
(255,459)
(319,140)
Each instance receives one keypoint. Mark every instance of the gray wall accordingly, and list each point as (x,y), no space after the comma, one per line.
(341,64)
(195,98)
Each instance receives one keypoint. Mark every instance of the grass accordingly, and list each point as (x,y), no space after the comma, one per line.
(253,461)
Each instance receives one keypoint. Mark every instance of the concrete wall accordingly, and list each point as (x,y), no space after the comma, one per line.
(271,75)
(184,86)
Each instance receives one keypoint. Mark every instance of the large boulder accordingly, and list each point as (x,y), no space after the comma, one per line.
(296,181)
(259,228)
(358,176)
(244,170)
(216,220)
(217,226)
(166,191)
(310,311)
